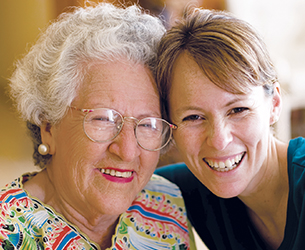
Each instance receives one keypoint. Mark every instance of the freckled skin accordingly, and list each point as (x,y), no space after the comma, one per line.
(217,125)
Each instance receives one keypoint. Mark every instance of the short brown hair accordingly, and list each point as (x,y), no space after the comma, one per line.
(228,50)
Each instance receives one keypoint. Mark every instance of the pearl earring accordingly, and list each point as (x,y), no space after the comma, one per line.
(43,149)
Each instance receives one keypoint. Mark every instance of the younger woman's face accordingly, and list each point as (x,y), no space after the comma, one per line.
(222,137)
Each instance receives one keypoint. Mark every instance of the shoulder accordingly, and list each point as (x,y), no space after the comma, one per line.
(296,149)
(177,173)
(13,202)
(158,184)
(180,175)
(156,219)
(12,192)
(296,161)
(172,170)
(160,192)
(296,173)
(27,223)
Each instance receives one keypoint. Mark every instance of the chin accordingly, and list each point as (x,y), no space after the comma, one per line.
(226,195)
(225,191)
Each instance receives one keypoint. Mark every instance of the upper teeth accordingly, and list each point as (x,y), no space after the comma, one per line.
(225,165)
(113,172)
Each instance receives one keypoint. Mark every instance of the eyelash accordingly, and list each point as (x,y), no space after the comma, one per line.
(192,118)
(238,110)
(234,111)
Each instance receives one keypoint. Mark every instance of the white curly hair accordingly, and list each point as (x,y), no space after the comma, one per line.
(46,79)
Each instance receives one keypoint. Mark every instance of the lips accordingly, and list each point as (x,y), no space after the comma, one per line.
(224,166)
(116,173)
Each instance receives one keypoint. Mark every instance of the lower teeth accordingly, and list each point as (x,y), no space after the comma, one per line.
(225,169)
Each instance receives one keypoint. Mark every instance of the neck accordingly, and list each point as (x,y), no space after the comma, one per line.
(98,227)
(272,180)
(267,202)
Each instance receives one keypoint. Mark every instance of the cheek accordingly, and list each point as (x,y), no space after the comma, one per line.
(151,160)
(71,142)
(73,147)
(254,130)
(256,139)
(148,164)
(87,153)
(187,142)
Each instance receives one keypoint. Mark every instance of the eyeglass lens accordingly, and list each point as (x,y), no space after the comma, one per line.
(103,125)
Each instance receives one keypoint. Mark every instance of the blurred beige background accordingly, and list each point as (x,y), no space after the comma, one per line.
(20,22)
(281,23)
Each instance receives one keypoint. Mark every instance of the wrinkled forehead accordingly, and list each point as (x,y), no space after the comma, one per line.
(119,85)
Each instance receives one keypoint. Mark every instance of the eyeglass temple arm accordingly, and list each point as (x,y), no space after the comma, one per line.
(173,126)
(82,110)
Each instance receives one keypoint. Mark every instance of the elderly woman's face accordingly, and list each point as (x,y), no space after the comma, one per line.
(222,137)
(78,164)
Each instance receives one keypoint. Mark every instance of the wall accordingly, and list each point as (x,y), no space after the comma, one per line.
(20,22)
(282,26)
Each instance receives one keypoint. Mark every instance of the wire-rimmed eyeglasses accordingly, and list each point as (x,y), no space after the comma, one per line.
(104,124)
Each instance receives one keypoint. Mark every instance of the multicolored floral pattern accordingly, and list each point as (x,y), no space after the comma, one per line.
(155,220)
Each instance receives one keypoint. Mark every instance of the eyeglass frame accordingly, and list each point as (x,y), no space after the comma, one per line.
(137,121)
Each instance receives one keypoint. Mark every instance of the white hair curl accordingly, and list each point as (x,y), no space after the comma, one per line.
(46,80)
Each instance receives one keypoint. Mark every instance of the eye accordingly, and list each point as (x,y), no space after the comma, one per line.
(99,118)
(102,119)
(147,126)
(192,118)
(150,124)
(238,110)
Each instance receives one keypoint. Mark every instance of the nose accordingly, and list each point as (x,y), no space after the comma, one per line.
(219,135)
(125,145)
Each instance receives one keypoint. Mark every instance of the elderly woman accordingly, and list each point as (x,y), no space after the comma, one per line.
(244,188)
(88,95)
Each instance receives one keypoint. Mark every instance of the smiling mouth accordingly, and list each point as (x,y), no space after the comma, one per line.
(116,173)
(224,166)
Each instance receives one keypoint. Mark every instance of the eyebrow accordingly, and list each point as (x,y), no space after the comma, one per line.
(139,117)
(236,99)
(196,108)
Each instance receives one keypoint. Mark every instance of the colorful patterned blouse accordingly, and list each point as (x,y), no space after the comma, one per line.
(155,220)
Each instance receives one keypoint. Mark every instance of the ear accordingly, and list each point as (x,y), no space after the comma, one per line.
(276,107)
(47,136)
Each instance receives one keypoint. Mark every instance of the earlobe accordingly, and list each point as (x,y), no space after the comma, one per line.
(276,104)
(47,138)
